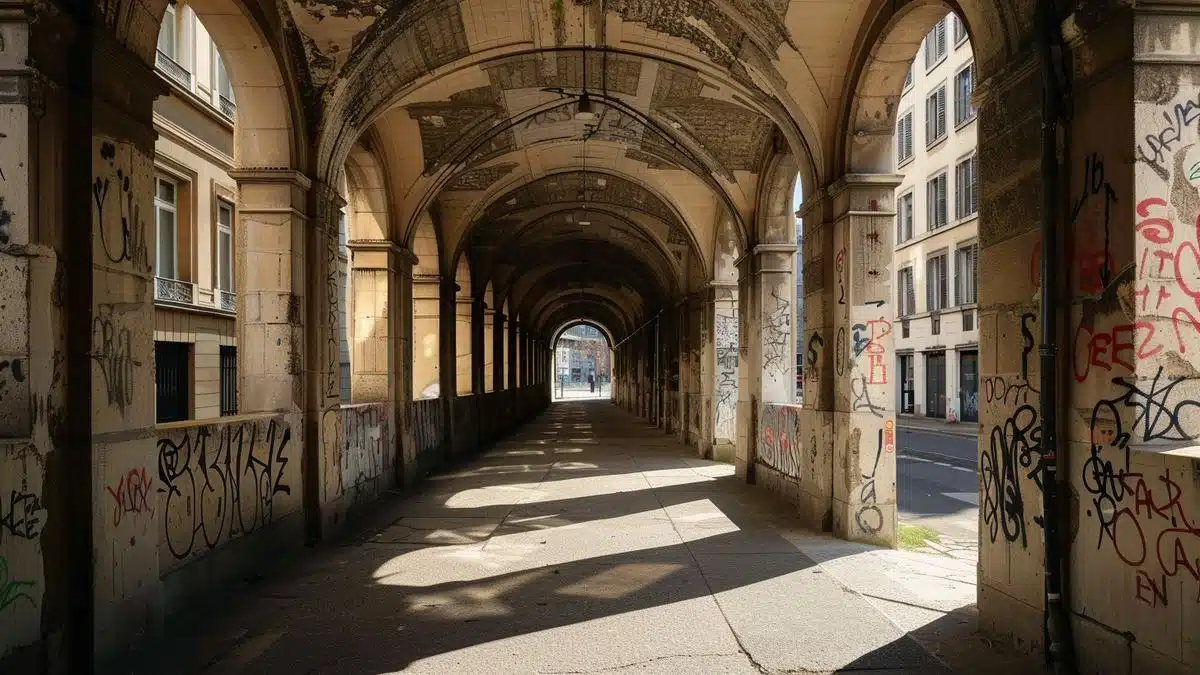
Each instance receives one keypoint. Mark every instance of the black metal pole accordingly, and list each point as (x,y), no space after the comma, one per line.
(1056,627)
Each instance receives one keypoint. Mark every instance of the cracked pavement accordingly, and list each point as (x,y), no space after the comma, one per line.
(588,542)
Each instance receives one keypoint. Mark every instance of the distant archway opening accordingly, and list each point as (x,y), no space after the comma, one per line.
(582,362)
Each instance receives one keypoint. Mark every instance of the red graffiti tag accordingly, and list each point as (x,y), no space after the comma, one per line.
(132,495)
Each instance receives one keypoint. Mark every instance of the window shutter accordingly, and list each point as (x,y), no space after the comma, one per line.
(930,277)
(942,285)
(941,111)
(941,38)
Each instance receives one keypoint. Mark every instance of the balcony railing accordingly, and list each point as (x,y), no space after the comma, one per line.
(227,107)
(173,70)
(174,291)
(226,301)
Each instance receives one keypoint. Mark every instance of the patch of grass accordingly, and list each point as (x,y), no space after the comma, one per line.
(914,536)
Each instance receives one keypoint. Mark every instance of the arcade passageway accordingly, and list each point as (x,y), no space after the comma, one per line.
(267,266)
(587,542)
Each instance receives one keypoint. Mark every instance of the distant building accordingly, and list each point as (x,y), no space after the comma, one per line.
(195,204)
(582,351)
(937,224)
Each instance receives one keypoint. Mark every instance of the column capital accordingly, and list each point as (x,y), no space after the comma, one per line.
(271,176)
(380,254)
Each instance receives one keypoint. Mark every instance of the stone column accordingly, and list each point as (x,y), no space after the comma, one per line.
(489,350)
(323,439)
(766,299)
(856,324)
(373,278)
(464,338)
(426,336)
(510,363)
(498,351)
(720,379)
(448,356)
(478,354)
(272,309)
(400,299)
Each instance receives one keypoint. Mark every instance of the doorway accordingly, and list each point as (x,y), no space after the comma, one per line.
(968,386)
(907,383)
(935,384)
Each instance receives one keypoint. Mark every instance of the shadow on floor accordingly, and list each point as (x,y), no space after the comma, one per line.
(586,541)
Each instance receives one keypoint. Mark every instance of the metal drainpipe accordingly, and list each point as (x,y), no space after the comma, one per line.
(1056,626)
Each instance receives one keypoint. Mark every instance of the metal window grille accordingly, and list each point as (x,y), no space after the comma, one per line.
(171,381)
(229,402)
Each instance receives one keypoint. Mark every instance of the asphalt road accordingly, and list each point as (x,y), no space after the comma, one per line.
(937,483)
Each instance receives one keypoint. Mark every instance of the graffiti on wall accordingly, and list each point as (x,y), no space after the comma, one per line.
(23,517)
(867,513)
(112,350)
(726,332)
(776,336)
(1013,452)
(120,224)
(221,481)
(366,459)
(778,447)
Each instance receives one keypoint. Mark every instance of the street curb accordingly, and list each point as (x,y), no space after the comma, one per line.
(938,432)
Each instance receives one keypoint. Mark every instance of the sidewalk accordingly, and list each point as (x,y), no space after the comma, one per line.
(588,541)
(931,425)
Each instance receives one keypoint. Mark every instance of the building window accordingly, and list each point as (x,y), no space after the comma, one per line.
(935,45)
(229,404)
(904,138)
(966,269)
(906,299)
(935,116)
(935,202)
(171,390)
(960,30)
(964,85)
(168,35)
(904,218)
(936,283)
(966,186)
(166,195)
(222,85)
(908,77)
(225,246)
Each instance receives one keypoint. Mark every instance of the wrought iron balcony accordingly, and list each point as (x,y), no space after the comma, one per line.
(227,107)
(226,301)
(174,291)
(173,70)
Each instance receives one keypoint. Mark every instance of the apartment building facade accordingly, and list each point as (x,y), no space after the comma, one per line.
(937,226)
(195,209)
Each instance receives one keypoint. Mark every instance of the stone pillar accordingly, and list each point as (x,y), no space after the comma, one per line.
(448,353)
(426,336)
(498,351)
(272,236)
(766,299)
(691,346)
(489,350)
(400,300)
(373,352)
(464,338)
(323,423)
(720,367)
(478,355)
(510,363)
(115,295)
(856,324)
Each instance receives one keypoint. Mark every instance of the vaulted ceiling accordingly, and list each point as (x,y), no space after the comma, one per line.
(468,111)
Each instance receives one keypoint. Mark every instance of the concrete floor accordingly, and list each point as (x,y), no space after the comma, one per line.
(588,542)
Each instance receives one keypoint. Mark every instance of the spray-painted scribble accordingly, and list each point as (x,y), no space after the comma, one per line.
(221,481)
